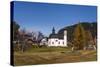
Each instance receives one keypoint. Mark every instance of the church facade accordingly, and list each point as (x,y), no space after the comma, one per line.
(56,40)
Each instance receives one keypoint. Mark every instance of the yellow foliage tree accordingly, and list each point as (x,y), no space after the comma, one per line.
(79,37)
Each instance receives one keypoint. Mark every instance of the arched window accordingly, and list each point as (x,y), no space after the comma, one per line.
(62,42)
(52,42)
(58,42)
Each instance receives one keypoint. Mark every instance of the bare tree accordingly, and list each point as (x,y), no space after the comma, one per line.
(23,39)
(40,36)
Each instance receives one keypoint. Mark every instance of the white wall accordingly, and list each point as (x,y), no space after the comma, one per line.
(56,42)
(65,37)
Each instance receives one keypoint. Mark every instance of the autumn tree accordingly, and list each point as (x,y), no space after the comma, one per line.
(79,37)
(90,40)
(89,37)
(95,43)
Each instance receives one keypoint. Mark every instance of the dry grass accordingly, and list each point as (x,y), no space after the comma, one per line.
(53,55)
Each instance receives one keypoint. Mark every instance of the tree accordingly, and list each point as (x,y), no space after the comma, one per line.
(95,43)
(79,37)
(15,30)
(88,38)
(40,36)
(22,39)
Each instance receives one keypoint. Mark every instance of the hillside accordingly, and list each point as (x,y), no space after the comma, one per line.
(92,27)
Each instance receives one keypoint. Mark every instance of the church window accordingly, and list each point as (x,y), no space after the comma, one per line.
(63,42)
(52,42)
(58,42)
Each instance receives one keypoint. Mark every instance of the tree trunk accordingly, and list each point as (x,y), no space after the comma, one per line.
(94,47)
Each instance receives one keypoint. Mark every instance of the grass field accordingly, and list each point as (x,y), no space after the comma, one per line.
(53,55)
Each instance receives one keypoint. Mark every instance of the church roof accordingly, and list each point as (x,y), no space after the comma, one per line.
(55,36)
(60,36)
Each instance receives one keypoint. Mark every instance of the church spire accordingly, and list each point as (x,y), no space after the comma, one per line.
(53,30)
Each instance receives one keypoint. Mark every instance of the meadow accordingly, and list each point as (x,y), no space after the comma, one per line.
(51,55)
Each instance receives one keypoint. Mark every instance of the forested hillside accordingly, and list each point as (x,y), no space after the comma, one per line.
(92,27)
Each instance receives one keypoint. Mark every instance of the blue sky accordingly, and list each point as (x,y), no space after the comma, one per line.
(43,16)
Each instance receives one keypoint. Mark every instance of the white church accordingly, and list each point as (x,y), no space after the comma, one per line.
(55,39)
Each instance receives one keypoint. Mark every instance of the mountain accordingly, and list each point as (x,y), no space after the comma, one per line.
(92,27)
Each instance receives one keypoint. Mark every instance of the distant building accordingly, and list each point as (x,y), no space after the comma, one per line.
(44,41)
(56,40)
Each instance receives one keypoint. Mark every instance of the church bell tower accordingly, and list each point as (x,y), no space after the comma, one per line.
(53,30)
(65,38)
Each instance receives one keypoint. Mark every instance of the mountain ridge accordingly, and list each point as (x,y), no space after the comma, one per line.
(90,26)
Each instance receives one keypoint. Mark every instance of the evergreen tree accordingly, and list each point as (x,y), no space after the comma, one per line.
(15,30)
